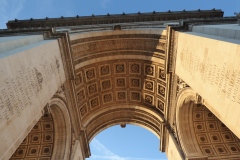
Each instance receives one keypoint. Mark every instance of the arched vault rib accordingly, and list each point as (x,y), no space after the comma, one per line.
(128,114)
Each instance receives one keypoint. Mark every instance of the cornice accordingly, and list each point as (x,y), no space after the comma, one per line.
(112,18)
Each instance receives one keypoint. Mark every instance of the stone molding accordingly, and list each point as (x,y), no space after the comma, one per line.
(112,19)
(184,100)
(62,125)
(129,114)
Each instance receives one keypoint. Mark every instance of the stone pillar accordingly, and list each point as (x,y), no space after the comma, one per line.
(173,152)
(209,63)
(31,71)
(77,151)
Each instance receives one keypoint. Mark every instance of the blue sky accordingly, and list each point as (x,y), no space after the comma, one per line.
(130,143)
(26,9)
(115,143)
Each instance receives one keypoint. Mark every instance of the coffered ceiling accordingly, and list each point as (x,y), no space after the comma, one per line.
(124,72)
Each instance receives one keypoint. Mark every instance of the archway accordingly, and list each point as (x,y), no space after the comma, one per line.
(200,133)
(123,115)
(120,78)
(50,138)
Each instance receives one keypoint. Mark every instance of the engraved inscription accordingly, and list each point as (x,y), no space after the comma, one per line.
(223,77)
(17,93)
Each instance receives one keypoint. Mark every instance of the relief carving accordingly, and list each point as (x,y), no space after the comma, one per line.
(199,100)
(121,82)
(104,70)
(135,96)
(106,84)
(160,105)
(149,85)
(149,99)
(121,96)
(107,97)
(162,74)
(135,82)
(161,90)
(149,70)
(120,68)
(57,64)
(135,68)
(92,88)
(181,84)
(39,77)
(90,74)
(94,102)
(81,95)
(61,93)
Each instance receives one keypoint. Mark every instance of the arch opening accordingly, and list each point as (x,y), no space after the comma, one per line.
(133,141)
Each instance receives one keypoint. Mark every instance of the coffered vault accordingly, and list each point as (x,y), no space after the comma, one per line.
(112,70)
(120,79)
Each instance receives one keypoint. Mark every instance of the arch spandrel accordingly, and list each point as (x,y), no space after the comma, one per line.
(120,78)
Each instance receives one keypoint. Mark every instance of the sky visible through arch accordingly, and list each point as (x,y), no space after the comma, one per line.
(129,143)
(113,143)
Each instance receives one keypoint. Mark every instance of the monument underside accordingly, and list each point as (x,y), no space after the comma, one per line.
(117,74)
(120,79)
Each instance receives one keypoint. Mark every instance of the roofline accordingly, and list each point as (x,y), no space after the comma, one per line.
(113,18)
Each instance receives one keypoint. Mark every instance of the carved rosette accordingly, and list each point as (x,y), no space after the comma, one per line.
(104,70)
(121,82)
(135,68)
(107,98)
(119,68)
(149,70)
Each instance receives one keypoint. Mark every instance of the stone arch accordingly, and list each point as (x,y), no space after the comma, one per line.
(62,143)
(200,133)
(120,79)
(50,138)
(126,114)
